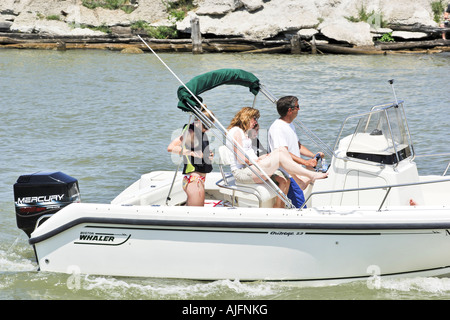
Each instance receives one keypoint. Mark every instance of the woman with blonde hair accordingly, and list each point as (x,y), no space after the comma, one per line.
(244,120)
(193,145)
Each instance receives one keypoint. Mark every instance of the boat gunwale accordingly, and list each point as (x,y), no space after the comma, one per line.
(343,226)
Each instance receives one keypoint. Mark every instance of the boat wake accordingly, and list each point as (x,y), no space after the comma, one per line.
(18,271)
(425,285)
(167,289)
(16,258)
(117,288)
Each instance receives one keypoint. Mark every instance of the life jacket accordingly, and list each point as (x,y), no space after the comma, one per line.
(191,164)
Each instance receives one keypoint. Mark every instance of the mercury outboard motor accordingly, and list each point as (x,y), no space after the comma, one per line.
(42,194)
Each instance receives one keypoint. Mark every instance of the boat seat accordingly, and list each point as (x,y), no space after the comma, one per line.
(246,195)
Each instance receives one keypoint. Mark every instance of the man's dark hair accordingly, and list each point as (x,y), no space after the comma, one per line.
(283,104)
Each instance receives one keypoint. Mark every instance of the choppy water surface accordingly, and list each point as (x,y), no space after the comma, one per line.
(106,118)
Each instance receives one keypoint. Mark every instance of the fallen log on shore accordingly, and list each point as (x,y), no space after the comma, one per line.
(236,45)
(419,28)
(160,47)
(337,49)
(413,44)
(108,42)
(280,49)
(429,46)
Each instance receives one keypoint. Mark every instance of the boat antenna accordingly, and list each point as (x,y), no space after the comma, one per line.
(391,82)
(197,112)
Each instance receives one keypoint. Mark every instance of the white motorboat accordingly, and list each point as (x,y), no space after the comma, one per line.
(357,223)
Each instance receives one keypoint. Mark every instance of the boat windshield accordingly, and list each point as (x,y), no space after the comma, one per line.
(381,136)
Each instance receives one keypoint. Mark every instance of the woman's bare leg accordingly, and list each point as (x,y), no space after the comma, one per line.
(195,192)
(303,182)
(281,158)
(283,184)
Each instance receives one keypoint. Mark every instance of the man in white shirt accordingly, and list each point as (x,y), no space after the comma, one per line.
(282,133)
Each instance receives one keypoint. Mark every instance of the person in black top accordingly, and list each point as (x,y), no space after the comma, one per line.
(445,23)
(193,145)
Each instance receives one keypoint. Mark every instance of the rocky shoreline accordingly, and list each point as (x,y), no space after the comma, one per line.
(248,26)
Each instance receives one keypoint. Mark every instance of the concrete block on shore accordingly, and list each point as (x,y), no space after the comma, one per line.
(409,35)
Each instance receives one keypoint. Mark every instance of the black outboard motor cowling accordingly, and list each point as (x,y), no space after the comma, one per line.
(42,193)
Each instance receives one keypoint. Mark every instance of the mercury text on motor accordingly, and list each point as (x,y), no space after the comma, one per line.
(40,199)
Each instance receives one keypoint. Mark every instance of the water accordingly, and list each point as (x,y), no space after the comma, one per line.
(105,118)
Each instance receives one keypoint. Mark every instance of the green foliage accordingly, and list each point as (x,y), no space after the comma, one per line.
(109,4)
(177,10)
(372,18)
(363,15)
(140,24)
(103,28)
(182,5)
(387,37)
(177,15)
(438,8)
(319,21)
(161,32)
(53,17)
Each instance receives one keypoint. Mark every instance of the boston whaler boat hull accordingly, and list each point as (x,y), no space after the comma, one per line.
(373,216)
(247,244)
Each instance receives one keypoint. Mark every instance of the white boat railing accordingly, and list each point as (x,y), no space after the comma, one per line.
(447,154)
(223,183)
(387,187)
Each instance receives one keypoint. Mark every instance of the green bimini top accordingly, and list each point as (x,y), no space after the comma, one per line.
(212,79)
